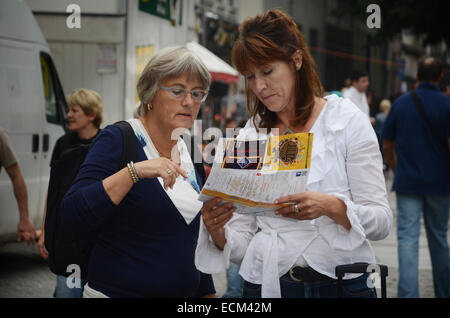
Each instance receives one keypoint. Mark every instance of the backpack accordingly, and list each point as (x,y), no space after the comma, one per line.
(61,251)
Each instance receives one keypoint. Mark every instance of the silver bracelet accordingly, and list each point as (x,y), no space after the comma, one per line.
(134,171)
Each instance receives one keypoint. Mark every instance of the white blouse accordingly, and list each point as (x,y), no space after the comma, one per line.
(184,194)
(345,162)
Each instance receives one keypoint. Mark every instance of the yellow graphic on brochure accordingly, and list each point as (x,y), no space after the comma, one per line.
(253,173)
(289,152)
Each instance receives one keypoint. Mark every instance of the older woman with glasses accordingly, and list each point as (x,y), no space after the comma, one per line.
(146,216)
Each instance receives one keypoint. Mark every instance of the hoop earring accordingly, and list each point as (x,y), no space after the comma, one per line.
(149,107)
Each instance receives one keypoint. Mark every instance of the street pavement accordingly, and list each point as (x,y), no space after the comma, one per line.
(24,274)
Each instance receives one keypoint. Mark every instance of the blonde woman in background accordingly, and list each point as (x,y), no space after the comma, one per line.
(84,120)
(380,118)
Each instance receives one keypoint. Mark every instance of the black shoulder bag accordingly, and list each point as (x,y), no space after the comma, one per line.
(419,105)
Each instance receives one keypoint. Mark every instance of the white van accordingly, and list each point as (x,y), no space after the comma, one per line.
(32,110)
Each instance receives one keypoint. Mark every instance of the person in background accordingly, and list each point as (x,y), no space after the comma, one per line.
(25,228)
(230,128)
(241,113)
(207,157)
(337,93)
(446,90)
(357,92)
(369,97)
(347,85)
(420,161)
(84,120)
(345,205)
(444,85)
(370,100)
(380,118)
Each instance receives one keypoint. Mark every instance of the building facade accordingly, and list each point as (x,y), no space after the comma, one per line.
(114,41)
(117,37)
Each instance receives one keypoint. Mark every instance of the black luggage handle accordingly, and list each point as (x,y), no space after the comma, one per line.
(354,268)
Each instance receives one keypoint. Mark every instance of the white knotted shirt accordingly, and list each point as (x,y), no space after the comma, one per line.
(345,162)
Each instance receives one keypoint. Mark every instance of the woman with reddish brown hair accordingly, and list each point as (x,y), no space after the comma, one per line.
(345,205)
(264,40)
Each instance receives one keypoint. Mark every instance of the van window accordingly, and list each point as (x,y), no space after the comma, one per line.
(55,103)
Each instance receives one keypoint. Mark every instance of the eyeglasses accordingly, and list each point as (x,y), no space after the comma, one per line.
(198,95)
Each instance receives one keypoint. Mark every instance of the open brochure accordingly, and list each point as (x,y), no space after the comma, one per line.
(253,173)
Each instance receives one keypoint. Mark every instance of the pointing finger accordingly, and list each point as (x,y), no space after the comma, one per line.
(179,170)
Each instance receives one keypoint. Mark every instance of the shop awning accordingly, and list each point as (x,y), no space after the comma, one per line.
(219,69)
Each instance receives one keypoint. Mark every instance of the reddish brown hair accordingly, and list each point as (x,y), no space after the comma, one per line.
(274,36)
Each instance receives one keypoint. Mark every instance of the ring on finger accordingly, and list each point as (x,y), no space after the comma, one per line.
(215,220)
(296,209)
(169,171)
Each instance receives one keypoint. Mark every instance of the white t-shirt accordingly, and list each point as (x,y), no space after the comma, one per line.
(359,99)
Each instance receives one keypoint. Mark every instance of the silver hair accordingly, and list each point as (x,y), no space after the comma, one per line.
(168,63)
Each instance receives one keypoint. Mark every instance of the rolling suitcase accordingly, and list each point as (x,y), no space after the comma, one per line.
(362,268)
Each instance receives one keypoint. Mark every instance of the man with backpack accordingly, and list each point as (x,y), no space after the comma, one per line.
(84,119)
(416,147)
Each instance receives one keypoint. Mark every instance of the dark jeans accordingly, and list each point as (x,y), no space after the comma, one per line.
(352,288)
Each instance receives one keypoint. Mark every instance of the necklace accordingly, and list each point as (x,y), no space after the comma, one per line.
(308,125)
(161,154)
(288,131)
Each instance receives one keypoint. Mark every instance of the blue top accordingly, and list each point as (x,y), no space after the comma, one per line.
(144,246)
(380,118)
(423,164)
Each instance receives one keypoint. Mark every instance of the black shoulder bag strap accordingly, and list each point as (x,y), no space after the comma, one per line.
(129,152)
(427,122)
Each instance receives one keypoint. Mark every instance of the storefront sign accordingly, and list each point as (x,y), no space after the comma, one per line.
(170,10)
